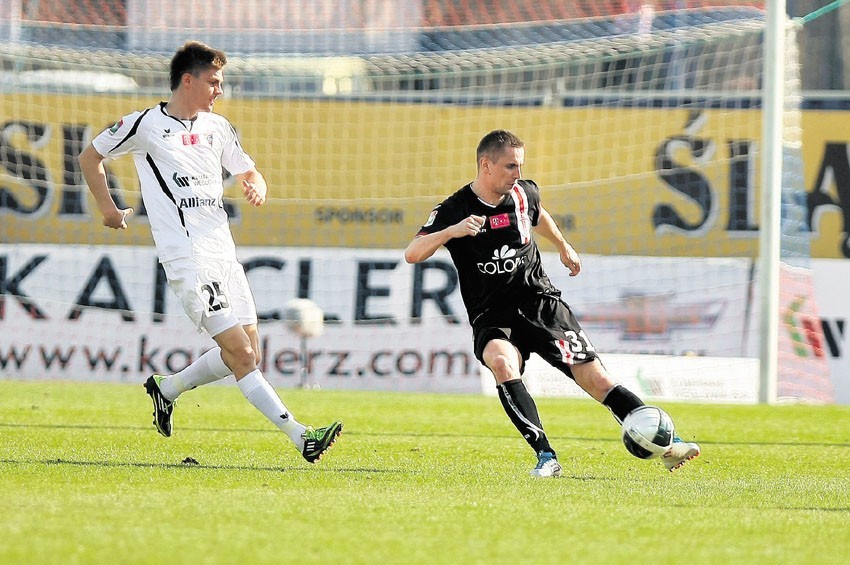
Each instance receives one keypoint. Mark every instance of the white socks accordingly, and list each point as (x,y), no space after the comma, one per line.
(260,393)
(207,368)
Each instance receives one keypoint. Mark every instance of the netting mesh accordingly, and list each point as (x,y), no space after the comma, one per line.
(641,122)
(370,126)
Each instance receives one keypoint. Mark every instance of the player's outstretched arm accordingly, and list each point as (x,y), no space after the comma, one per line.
(91,165)
(253,187)
(547,228)
(423,246)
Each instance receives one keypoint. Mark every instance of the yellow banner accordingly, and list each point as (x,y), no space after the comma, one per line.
(360,174)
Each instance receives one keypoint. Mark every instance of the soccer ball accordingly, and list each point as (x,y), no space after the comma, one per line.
(304,317)
(647,432)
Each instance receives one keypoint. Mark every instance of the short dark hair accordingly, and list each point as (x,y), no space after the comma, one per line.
(193,58)
(495,142)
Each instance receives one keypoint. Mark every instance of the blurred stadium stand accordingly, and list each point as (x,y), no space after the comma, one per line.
(104,24)
(345,35)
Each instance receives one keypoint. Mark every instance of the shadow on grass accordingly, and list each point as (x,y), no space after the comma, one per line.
(189,429)
(191,465)
(459,433)
(195,465)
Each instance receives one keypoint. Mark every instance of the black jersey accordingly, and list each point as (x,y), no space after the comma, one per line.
(501,266)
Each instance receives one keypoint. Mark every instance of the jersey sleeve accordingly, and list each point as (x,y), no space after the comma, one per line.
(233,157)
(441,217)
(121,138)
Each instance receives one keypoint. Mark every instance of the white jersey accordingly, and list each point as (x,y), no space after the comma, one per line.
(179,163)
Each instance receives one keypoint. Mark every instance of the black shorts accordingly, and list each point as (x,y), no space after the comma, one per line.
(546,326)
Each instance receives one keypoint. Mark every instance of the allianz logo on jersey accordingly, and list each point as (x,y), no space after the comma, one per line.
(504,260)
(196,202)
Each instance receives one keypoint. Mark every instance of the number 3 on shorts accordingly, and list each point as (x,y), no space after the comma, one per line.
(574,347)
(216,300)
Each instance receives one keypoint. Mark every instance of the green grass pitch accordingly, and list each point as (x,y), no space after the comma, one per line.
(415,478)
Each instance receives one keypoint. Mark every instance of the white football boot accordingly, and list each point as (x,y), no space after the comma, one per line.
(679,453)
(547,466)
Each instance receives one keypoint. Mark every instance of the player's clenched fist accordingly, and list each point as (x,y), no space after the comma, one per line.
(471,225)
(118,220)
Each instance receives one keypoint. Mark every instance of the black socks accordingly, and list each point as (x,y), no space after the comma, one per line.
(522,411)
(620,401)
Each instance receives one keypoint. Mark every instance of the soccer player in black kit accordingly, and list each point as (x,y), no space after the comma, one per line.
(487,227)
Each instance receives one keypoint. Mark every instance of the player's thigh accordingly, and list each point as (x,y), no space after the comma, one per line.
(236,350)
(593,378)
(254,337)
(234,340)
(491,341)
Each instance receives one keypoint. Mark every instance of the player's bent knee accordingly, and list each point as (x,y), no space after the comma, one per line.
(502,368)
(239,359)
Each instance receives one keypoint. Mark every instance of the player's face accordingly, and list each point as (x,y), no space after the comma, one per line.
(507,169)
(205,89)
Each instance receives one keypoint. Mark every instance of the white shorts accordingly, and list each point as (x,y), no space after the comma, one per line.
(214,293)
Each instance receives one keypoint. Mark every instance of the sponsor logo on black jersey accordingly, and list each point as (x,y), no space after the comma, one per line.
(504,260)
(500,221)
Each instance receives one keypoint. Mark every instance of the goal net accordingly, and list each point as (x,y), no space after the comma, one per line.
(642,125)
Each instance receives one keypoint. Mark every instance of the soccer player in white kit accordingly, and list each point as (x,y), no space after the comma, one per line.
(179,148)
